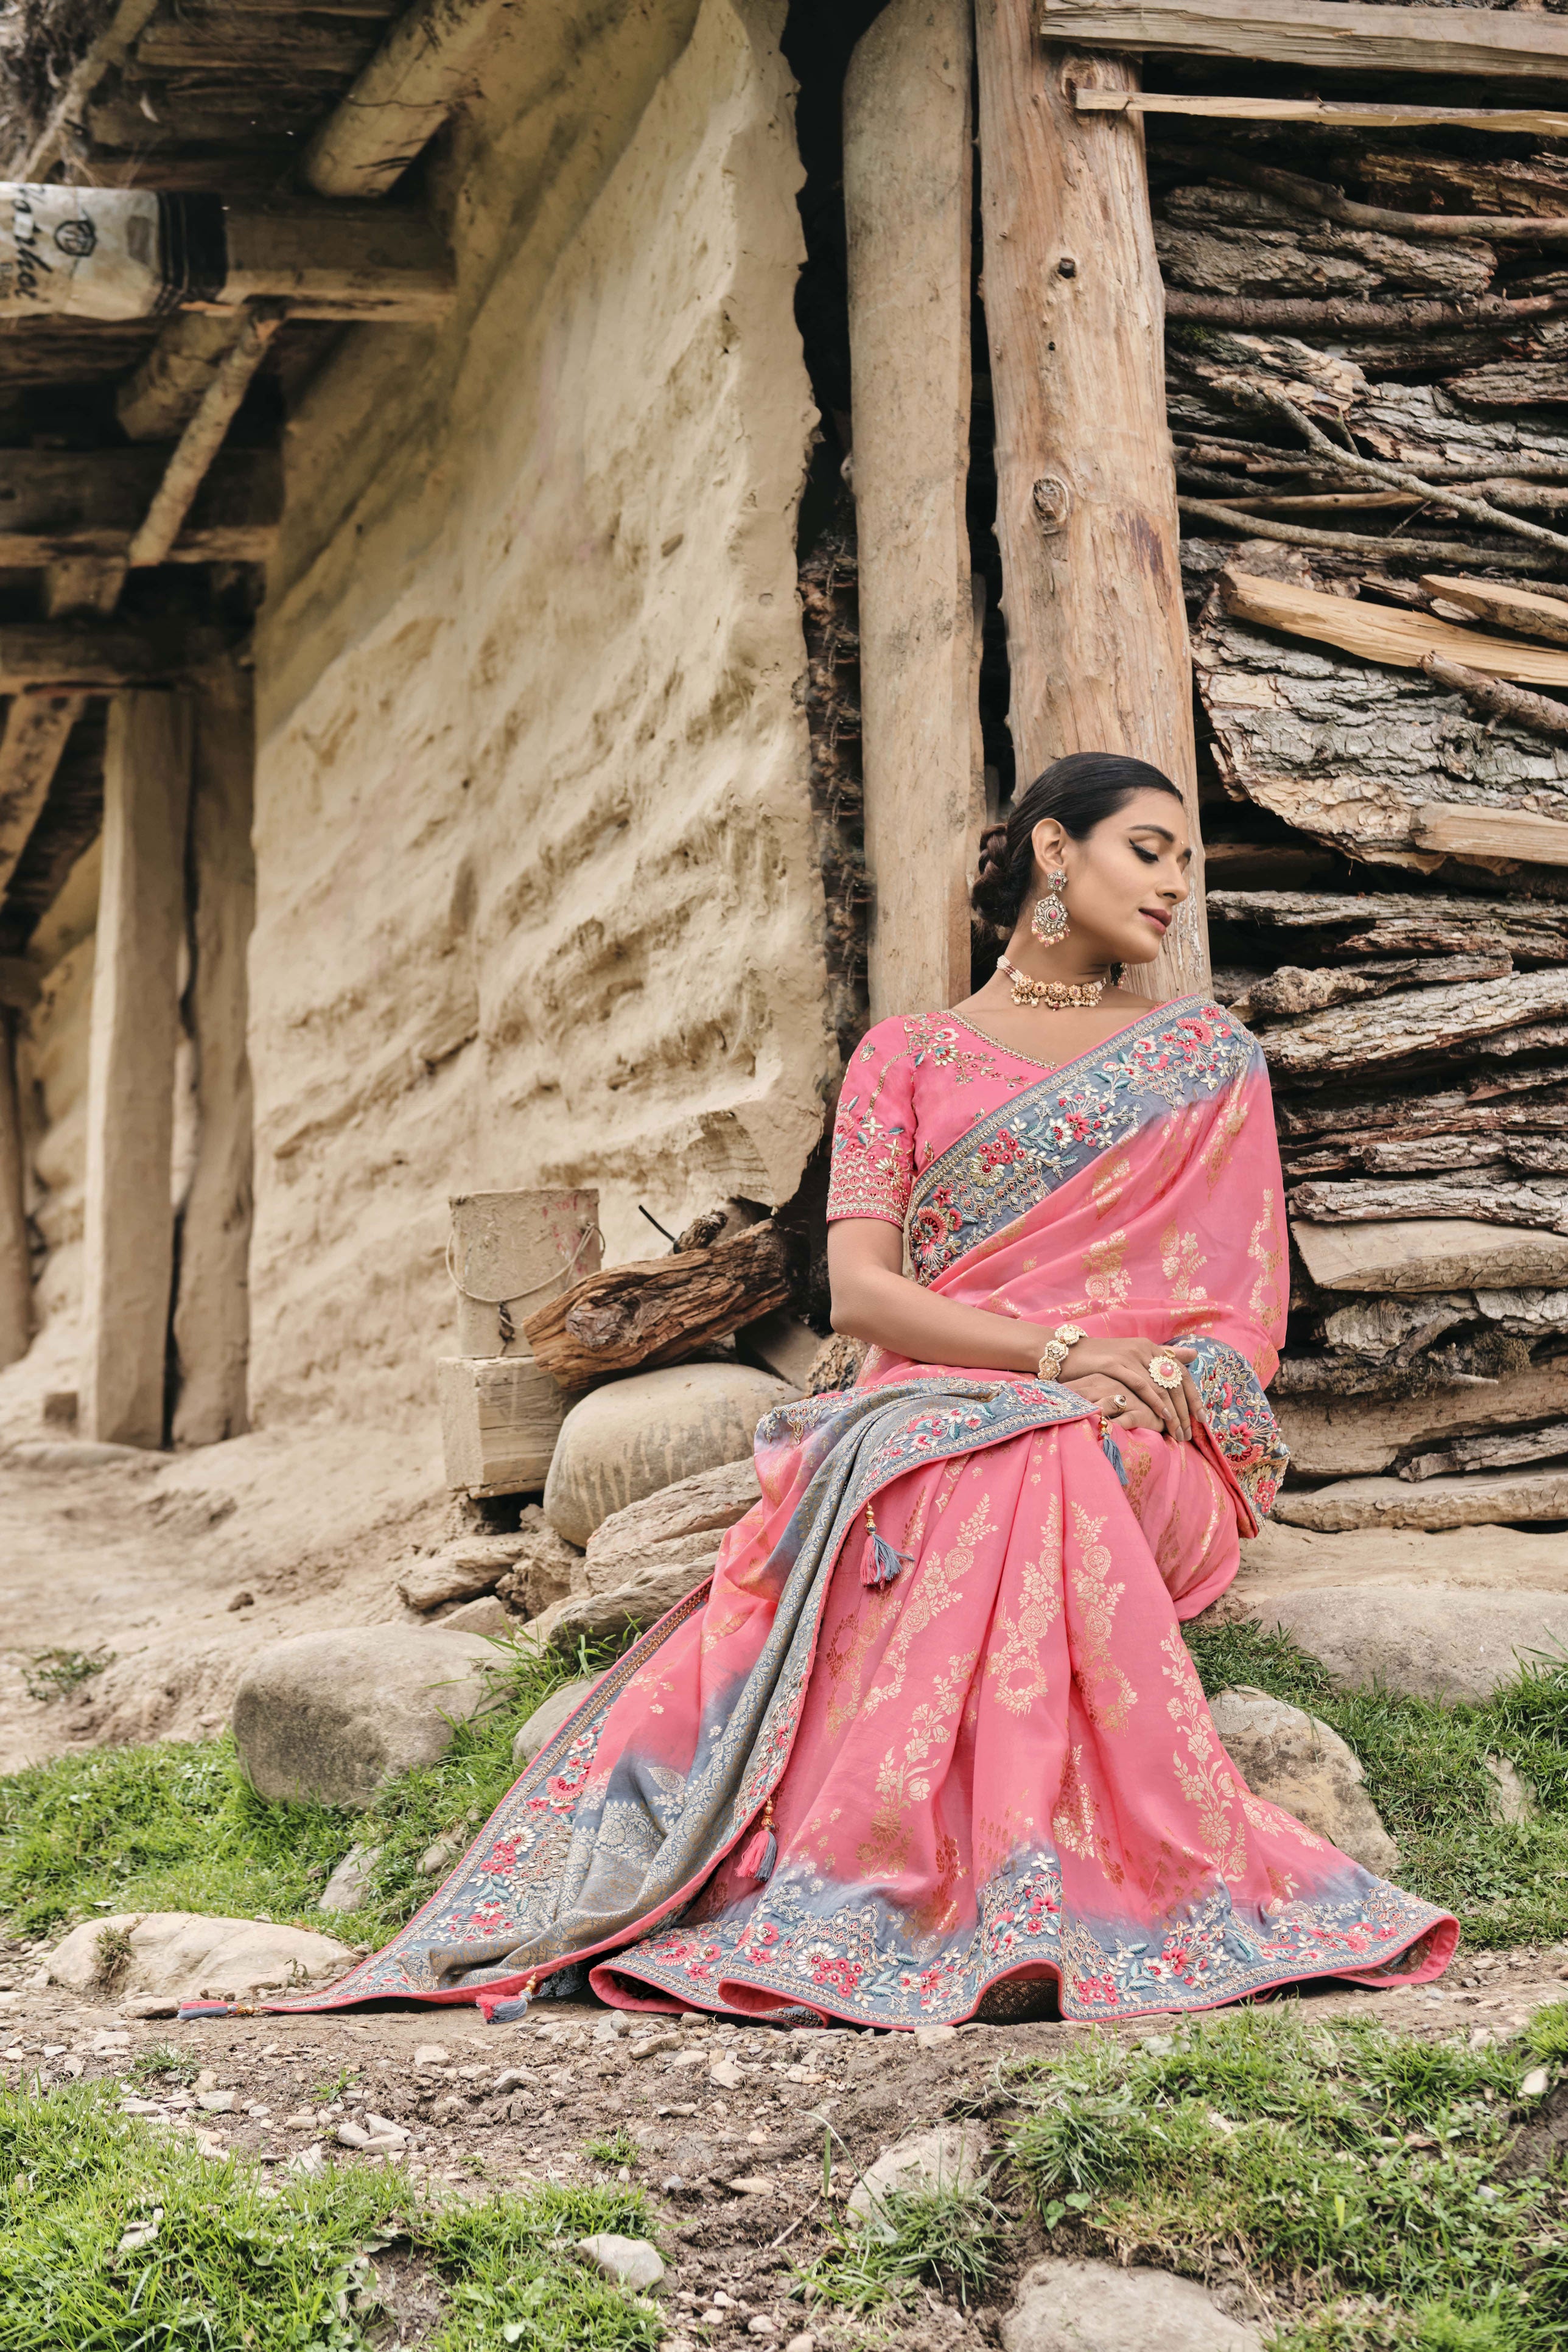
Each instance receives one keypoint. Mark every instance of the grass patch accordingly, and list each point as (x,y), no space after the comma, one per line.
(231,2260)
(1349,2174)
(50,1673)
(614,2148)
(944,2238)
(176,1827)
(1426,1773)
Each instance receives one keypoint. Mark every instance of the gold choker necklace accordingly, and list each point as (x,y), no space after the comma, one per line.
(1054,995)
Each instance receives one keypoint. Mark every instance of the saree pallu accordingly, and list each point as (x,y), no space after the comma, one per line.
(810,1790)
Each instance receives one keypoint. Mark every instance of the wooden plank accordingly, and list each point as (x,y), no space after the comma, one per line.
(1458,832)
(511,1251)
(1506,606)
(1426,1021)
(1086,509)
(401,97)
(1327,34)
(212,1301)
(16,1266)
(99,655)
(1339,114)
(1436,1254)
(908,167)
(501,1417)
(130,1227)
(36,728)
(340,261)
(1382,633)
(58,505)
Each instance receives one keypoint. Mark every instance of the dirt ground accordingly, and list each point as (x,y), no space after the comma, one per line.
(728,2123)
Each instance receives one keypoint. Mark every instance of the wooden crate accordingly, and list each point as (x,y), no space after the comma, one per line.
(510,1253)
(500,1416)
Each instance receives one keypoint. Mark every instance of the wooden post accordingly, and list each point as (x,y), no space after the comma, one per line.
(212,1306)
(1086,493)
(16,1273)
(128,1237)
(908,174)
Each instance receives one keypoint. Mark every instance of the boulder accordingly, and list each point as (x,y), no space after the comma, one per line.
(545,1721)
(186,1954)
(631,2261)
(1081,2307)
(1483,1498)
(545,1568)
(1446,1644)
(350,1882)
(949,2157)
(1289,1757)
(332,1715)
(633,1436)
(642,1599)
(460,1570)
(484,1616)
(1509,1799)
(705,1506)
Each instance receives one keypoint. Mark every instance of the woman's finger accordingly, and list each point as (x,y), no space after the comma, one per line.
(1158,1401)
(1194,1401)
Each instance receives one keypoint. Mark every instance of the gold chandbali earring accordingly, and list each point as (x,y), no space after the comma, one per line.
(1049,922)
(1050,926)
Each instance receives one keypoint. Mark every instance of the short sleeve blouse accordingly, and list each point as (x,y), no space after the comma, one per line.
(914,1084)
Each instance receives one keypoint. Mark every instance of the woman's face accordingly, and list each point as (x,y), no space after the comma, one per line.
(1124,881)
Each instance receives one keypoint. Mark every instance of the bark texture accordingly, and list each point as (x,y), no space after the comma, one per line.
(634,1318)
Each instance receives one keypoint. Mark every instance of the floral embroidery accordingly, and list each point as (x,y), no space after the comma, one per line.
(1241,1421)
(1015,1640)
(1204,1774)
(1097,1598)
(873,1157)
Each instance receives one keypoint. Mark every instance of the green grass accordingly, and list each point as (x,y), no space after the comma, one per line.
(176,1827)
(1506,1883)
(614,2148)
(944,2238)
(242,2264)
(50,1673)
(1349,2173)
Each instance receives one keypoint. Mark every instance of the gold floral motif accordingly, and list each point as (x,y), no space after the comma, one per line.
(1105,1192)
(850,1644)
(996,1841)
(714,1635)
(1267,1250)
(1227,1127)
(1180,1258)
(1039,1608)
(939,1912)
(902,1782)
(932,1590)
(1205,1774)
(1076,1825)
(1106,1282)
(1097,1598)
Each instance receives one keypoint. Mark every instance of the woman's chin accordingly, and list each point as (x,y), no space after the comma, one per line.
(1144,949)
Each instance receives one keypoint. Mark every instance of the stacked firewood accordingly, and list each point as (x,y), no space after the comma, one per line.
(1369,397)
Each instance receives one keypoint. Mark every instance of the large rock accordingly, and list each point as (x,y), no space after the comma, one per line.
(1289,1757)
(197,1959)
(1491,1560)
(1406,1637)
(545,1721)
(952,2156)
(545,1568)
(459,1571)
(642,1560)
(1082,2306)
(332,1715)
(1483,1498)
(633,1436)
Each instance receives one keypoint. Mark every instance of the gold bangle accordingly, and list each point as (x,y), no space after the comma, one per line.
(1058,1349)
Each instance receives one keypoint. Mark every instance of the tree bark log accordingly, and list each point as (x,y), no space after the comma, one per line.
(1422,1025)
(1536,713)
(1086,506)
(633,1317)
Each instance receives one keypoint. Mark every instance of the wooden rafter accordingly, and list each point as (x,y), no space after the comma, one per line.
(1326,34)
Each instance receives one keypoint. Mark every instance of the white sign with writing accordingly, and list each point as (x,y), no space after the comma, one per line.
(79,253)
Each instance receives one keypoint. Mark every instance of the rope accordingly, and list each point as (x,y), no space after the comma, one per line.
(514,1299)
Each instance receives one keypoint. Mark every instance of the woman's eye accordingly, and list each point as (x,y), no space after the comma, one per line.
(1148,856)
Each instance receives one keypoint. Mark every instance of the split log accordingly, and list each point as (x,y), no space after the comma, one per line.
(1227,241)
(1364,1119)
(1398,923)
(1085,510)
(1380,633)
(908,173)
(1327,34)
(129,1228)
(58,505)
(1336,114)
(1506,606)
(1421,1026)
(1289,193)
(1391,1331)
(1512,383)
(1432,1152)
(401,99)
(1513,187)
(1351,1435)
(1485,1200)
(1483,835)
(37,726)
(1431,1254)
(1505,1496)
(1293,314)
(1525,1314)
(633,1317)
(1350,542)
(101,655)
(1497,1449)
(1296,988)
(1536,713)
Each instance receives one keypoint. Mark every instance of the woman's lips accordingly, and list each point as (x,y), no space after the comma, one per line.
(1158,917)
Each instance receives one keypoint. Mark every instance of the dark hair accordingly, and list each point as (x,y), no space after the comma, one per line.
(1080,791)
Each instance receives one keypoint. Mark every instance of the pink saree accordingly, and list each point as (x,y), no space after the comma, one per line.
(959,1759)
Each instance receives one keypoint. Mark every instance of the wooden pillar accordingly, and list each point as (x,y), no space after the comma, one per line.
(16,1272)
(129,1240)
(212,1307)
(908,175)
(1097,635)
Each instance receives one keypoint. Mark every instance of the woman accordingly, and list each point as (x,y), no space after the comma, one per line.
(931,1743)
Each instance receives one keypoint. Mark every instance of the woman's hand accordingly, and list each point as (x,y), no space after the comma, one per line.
(1120,1410)
(1125,1363)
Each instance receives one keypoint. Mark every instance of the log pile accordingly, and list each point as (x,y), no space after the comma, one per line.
(1367,351)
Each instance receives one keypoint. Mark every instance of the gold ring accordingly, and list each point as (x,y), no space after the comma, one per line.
(1164,1371)
(1119,1401)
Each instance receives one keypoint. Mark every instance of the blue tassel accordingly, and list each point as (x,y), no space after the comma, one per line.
(769,1854)
(1113,1456)
(881,1564)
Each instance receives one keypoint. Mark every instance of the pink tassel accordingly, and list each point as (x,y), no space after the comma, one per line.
(758,1860)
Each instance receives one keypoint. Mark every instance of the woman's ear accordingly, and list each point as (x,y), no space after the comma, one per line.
(1049,840)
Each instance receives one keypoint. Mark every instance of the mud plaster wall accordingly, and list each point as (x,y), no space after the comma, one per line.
(536,895)
(52,1074)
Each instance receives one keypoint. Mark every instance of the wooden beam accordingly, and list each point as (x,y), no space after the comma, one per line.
(401,97)
(58,505)
(908,169)
(159,399)
(15,1267)
(199,444)
(21,984)
(1339,114)
(1328,36)
(1383,633)
(97,656)
(212,1305)
(130,1226)
(1086,506)
(36,727)
(1509,608)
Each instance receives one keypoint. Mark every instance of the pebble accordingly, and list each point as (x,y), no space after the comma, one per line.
(1534,2084)
(752,2184)
(932,2037)
(653,2043)
(632,2261)
(801,2344)
(726,2074)
(432,2054)
(216,2102)
(761,2325)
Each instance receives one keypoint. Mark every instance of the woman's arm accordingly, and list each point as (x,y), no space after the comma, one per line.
(874,1299)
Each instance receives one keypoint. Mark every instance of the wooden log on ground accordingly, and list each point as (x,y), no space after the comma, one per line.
(1512,383)
(1438,1254)
(1496,1449)
(1536,713)
(633,1317)
(1345,1435)
(212,1300)
(1381,634)
(57,504)
(1503,605)
(501,1417)
(16,1266)
(1326,34)
(1086,514)
(37,726)
(510,1252)
(1517,835)
(1503,1497)
(1414,1027)
(129,1232)
(908,173)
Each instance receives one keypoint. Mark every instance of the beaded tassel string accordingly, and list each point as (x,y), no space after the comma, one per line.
(762,1850)
(879,1563)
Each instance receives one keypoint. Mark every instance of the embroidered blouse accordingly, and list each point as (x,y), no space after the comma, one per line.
(914,1084)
